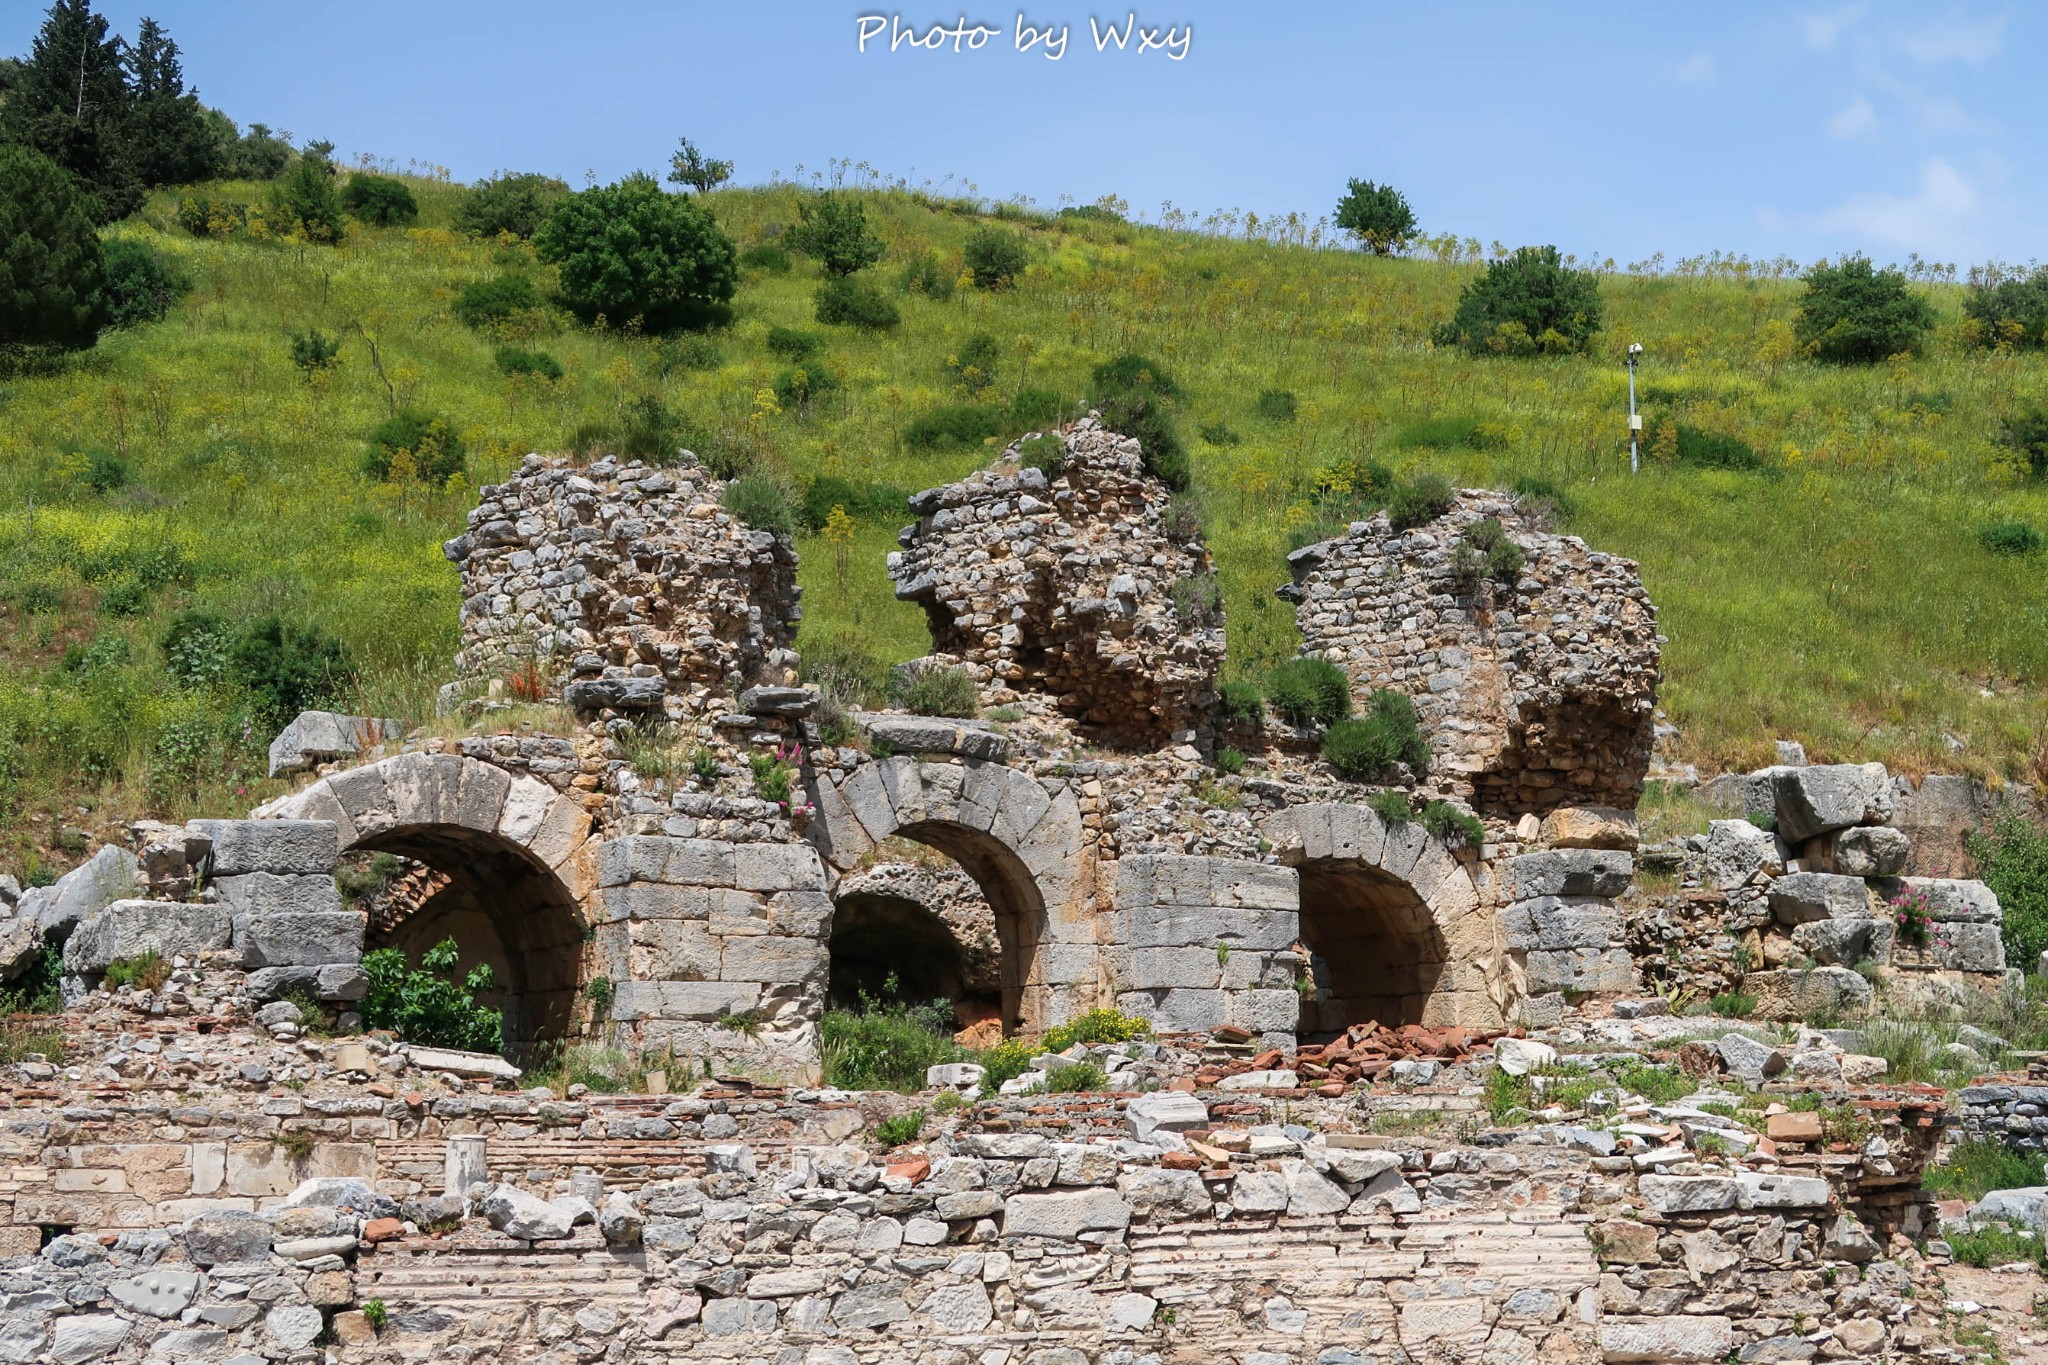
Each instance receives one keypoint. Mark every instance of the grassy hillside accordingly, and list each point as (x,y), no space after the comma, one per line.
(1839,595)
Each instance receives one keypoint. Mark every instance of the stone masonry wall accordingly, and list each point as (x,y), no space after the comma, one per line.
(1068,586)
(1536,695)
(620,585)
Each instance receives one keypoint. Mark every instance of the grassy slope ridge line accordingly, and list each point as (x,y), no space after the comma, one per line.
(1839,596)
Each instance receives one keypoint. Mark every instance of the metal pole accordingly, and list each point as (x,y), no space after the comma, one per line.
(1633,459)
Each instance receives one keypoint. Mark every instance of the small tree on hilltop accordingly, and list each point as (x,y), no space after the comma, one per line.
(692,168)
(516,202)
(1377,215)
(379,199)
(1529,303)
(51,271)
(2008,309)
(305,202)
(834,228)
(630,250)
(1856,314)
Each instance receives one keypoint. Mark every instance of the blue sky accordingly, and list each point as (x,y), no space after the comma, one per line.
(1608,129)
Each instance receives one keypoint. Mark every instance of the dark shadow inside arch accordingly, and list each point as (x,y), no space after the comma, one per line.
(1012,895)
(1374,949)
(877,938)
(502,908)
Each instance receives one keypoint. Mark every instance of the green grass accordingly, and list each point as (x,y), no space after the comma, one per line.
(1997,1244)
(245,494)
(1978,1166)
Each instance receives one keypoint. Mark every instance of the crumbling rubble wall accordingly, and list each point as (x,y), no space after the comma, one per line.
(1535,694)
(1079,586)
(622,585)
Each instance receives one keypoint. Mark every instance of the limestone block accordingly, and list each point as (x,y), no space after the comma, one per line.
(1846,942)
(267,893)
(773,960)
(1568,872)
(1064,1215)
(1168,1110)
(1599,970)
(1949,901)
(1817,800)
(1179,926)
(1665,1340)
(1736,852)
(658,858)
(636,1000)
(126,930)
(1554,923)
(1688,1193)
(519,1214)
(777,867)
(299,940)
(305,847)
(340,982)
(1759,1190)
(1860,851)
(108,876)
(1590,827)
(1806,896)
(317,737)
(1797,994)
(1164,1196)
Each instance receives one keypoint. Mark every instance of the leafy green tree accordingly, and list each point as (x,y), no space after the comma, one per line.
(692,168)
(430,1005)
(71,103)
(994,258)
(632,251)
(141,285)
(258,154)
(414,447)
(287,669)
(51,270)
(1856,314)
(517,202)
(2008,309)
(1377,215)
(834,228)
(379,199)
(1525,304)
(170,138)
(304,201)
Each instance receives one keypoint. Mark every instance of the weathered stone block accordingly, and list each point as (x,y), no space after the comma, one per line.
(635,1000)
(1065,1215)
(1663,1340)
(658,858)
(1861,851)
(128,929)
(1806,896)
(267,893)
(304,847)
(1816,800)
(309,940)
(1803,993)
(1567,872)
(1555,924)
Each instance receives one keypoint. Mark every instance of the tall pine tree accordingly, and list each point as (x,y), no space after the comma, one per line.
(71,102)
(171,141)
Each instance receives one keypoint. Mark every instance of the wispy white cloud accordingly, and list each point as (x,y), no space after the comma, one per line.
(1957,38)
(1822,27)
(1939,215)
(1857,119)
(1697,69)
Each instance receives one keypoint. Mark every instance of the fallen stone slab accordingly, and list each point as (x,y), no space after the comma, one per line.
(316,737)
(1821,799)
(2026,1205)
(475,1064)
(516,1213)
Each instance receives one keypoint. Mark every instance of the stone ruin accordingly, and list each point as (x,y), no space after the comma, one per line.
(198,1177)
(619,586)
(1080,586)
(1537,694)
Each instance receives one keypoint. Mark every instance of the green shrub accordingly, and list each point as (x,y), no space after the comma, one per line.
(1133,371)
(961,426)
(1391,806)
(514,203)
(1006,1061)
(1388,733)
(1485,554)
(935,690)
(145,973)
(2009,538)
(1733,1004)
(2012,859)
(430,1005)
(53,273)
(1274,405)
(1656,1084)
(1715,450)
(1097,1026)
(883,1046)
(379,199)
(687,353)
(994,257)
(1379,216)
(1132,393)
(1978,1166)
(197,647)
(287,669)
(1455,827)
(925,274)
(847,676)
(1310,691)
(1544,501)
(141,284)
(376,1314)
(767,258)
(1526,304)
(796,389)
(763,502)
(870,502)
(856,301)
(894,1132)
(1075,1078)
(1218,434)
(2025,433)
(973,364)
(39,989)
(1242,705)
(2009,309)
(313,350)
(1037,408)
(650,431)
(1045,453)
(833,228)
(1995,1244)
(1420,501)
(304,203)
(794,345)
(514,362)
(1229,761)
(494,302)
(632,250)
(1852,313)
(414,447)
(1197,601)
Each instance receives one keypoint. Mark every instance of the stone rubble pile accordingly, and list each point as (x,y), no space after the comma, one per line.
(622,586)
(1535,694)
(1080,586)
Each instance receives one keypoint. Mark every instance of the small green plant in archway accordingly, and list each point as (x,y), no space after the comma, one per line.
(430,1004)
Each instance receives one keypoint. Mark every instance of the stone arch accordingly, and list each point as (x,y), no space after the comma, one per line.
(1021,843)
(1391,919)
(516,856)
(924,921)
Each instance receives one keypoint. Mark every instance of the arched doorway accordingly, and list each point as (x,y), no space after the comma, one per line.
(1391,921)
(1018,842)
(499,866)
(917,917)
